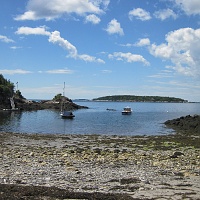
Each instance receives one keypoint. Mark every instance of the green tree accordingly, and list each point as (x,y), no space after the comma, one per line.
(6,89)
(19,95)
(58,97)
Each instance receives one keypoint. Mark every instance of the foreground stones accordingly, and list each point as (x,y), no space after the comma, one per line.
(99,167)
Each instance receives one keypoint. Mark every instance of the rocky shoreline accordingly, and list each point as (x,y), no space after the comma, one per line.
(55,167)
(186,124)
(27,105)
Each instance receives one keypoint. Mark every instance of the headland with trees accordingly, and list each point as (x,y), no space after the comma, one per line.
(7,91)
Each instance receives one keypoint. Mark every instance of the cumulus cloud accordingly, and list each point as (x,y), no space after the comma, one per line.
(140,14)
(143,42)
(93,19)
(14,71)
(49,10)
(5,39)
(114,27)
(182,48)
(55,38)
(33,31)
(190,7)
(128,57)
(89,58)
(164,14)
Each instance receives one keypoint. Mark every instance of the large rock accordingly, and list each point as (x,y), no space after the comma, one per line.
(187,124)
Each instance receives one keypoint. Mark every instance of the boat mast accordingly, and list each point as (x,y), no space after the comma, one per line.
(63,98)
(64,90)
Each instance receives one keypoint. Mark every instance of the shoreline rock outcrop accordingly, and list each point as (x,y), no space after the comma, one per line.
(186,124)
(26,105)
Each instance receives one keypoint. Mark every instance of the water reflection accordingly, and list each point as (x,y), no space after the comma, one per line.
(9,118)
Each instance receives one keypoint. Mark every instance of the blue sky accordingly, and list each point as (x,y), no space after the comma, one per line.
(101,47)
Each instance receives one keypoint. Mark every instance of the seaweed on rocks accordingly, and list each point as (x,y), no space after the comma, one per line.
(186,124)
(23,192)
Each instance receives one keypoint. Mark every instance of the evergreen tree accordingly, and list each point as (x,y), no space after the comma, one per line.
(6,89)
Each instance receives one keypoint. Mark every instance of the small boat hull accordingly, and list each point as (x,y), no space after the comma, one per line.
(127,111)
(67,115)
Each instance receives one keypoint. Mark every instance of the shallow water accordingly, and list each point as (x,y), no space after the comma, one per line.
(146,119)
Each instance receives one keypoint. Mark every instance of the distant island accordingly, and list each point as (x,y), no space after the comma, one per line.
(133,98)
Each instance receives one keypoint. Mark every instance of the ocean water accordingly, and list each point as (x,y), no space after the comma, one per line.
(146,119)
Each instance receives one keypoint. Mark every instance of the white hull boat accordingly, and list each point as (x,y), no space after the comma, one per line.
(127,111)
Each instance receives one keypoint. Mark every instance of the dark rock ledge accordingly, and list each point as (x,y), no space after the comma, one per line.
(187,124)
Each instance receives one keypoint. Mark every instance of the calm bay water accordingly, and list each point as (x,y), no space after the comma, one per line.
(146,119)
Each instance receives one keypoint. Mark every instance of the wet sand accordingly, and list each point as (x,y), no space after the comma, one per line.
(55,167)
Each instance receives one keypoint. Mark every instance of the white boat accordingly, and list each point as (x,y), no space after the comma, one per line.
(127,111)
(63,113)
(67,114)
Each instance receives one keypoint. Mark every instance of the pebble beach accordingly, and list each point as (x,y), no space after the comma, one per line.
(46,166)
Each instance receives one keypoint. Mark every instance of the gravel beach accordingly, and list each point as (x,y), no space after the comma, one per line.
(54,167)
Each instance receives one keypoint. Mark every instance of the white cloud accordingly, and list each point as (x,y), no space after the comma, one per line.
(163,74)
(182,48)
(49,10)
(143,42)
(128,57)
(93,19)
(15,47)
(164,14)
(127,45)
(105,71)
(105,4)
(190,7)
(5,39)
(29,15)
(140,14)
(14,71)
(33,31)
(114,27)
(55,38)
(89,58)
(60,71)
